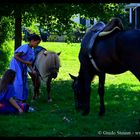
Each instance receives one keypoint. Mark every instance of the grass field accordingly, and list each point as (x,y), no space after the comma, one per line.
(122,100)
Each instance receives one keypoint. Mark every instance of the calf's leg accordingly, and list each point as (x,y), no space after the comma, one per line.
(101,93)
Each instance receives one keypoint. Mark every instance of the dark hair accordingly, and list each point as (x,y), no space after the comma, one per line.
(8,78)
(115,21)
(34,37)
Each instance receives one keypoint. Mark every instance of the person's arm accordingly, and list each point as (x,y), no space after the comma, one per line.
(32,70)
(17,56)
(14,103)
(28,63)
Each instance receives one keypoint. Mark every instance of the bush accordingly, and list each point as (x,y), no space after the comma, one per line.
(6,46)
(6,53)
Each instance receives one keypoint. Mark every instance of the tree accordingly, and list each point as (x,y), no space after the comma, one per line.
(57,16)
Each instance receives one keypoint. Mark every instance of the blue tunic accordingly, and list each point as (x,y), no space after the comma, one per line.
(5,106)
(20,83)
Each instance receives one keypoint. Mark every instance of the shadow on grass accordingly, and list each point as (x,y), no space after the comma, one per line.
(119,97)
(122,113)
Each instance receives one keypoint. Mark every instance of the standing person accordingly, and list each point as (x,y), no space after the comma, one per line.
(7,102)
(23,58)
(114,21)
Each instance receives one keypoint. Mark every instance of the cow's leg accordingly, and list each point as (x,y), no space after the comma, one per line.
(36,85)
(87,97)
(48,85)
(135,69)
(101,93)
(86,92)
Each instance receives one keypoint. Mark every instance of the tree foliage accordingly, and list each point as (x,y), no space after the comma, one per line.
(57,16)
(6,34)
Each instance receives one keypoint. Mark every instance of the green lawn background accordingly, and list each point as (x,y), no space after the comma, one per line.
(122,100)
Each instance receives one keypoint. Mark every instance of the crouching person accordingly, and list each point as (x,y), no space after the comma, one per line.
(8,105)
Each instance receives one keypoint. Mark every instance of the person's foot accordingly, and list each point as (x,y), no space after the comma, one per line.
(31,109)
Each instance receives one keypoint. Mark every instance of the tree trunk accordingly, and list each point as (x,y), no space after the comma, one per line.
(18,20)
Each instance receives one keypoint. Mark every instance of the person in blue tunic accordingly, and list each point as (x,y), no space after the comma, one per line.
(23,58)
(8,105)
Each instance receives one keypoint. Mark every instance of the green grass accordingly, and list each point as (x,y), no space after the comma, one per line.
(122,100)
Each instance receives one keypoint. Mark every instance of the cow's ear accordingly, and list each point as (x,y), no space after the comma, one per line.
(59,53)
(72,77)
(45,52)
